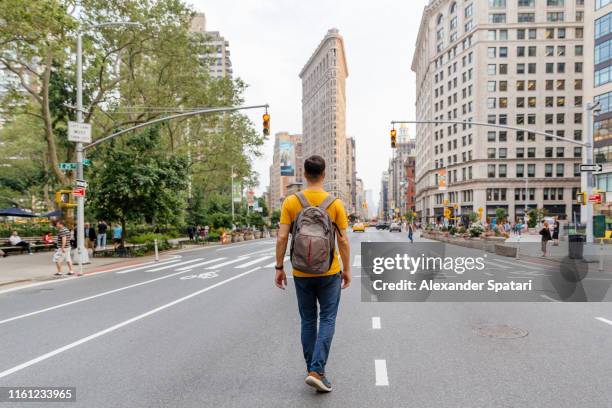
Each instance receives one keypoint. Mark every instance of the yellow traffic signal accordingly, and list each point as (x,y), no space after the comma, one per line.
(64,198)
(393,138)
(581,198)
(266,124)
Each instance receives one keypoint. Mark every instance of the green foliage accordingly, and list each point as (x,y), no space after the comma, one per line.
(213,237)
(476,230)
(500,214)
(139,182)
(473,217)
(275,218)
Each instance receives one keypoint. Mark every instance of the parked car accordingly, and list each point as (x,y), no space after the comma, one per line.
(395,226)
(359,226)
(382,226)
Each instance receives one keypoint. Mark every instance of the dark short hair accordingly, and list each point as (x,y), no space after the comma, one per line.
(314,166)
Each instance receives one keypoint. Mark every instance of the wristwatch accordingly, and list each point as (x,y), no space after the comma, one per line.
(279,268)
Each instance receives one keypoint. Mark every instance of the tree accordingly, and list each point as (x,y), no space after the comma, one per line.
(500,215)
(138,181)
(275,218)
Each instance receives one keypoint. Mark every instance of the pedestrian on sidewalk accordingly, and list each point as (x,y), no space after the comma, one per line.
(90,237)
(317,278)
(16,240)
(555,234)
(101,239)
(410,232)
(545,233)
(191,232)
(62,254)
(117,235)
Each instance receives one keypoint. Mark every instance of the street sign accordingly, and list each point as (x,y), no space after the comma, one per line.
(79,132)
(80,183)
(67,166)
(78,192)
(86,162)
(591,167)
(595,198)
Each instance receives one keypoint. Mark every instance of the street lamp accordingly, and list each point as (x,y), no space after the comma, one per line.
(83,255)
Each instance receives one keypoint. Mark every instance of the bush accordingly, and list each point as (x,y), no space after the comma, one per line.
(149,240)
(452,230)
(213,237)
(476,229)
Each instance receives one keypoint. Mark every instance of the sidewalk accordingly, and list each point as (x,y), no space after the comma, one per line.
(39,266)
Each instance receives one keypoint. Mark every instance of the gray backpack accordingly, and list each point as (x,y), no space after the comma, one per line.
(313,237)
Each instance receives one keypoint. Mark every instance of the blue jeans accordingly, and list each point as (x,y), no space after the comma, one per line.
(101,240)
(325,290)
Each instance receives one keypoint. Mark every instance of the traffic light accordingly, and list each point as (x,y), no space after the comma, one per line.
(266,124)
(63,198)
(581,198)
(393,138)
(448,213)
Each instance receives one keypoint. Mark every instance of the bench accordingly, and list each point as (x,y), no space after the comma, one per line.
(126,251)
(36,244)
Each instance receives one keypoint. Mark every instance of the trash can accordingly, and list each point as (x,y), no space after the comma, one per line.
(576,246)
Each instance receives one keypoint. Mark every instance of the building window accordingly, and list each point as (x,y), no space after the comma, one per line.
(520,170)
(601,3)
(502,170)
(548,170)
(526,17)
(555,3)
(497,18)
(469,11)
(497,3)
(491,170)
(603,25)
(602,51)
(526,3)
(560,169)
(531,170)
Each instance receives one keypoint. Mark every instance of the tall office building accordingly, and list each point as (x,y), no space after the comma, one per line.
(507,62)
(351,176)
(398,177)
(286,169)
(323,111)
(598,83)
(218,55)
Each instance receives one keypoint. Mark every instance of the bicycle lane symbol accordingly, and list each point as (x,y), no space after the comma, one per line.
(205,275)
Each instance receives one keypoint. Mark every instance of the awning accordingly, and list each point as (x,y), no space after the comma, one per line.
(15,212)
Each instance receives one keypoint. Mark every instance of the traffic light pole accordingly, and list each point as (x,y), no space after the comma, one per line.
(83,255)
(586,179)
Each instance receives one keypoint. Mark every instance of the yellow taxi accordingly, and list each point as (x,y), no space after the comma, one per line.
(359,226)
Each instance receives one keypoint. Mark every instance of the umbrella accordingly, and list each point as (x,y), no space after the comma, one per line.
(15,212)
(56,213)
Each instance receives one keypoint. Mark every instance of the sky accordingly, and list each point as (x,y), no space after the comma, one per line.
(271,40)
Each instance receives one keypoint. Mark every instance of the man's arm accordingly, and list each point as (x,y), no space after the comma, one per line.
(345,255)
(282,237)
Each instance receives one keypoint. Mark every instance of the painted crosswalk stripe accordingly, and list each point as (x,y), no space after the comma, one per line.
(522,264)
(273,264)
(201,264)
(604,320)
(148,265)
(226,263)
(174,264)
(380,367)
(253,262)
(376,322)
(357,261)
(495,264)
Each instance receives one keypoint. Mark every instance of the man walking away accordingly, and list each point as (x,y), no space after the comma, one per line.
(91,241)
(102,227)
(410,232)
(545,233)
(315,216)
(62,254)
(16,240)
(117,234)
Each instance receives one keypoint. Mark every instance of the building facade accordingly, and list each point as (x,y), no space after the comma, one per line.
(507,62)
(280,184)
(218,55)
(598,85)
(351,176)
(324,111)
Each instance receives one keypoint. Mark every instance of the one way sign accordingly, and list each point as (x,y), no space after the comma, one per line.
(591,167)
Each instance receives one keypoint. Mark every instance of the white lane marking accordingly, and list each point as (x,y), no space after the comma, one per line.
(253,262)
(522,264)
(380,367)
(148,266)
(604,320)
(190,267)
(357,261)
(243,245)
(376,322)
(551,299)
(261,251)
(175,264)
(240,259)
(172,259)
(273,264)
(10,319)
(488,274)
(110,329)
(497,265)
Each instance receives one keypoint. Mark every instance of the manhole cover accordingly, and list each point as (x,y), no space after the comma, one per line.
(500,331)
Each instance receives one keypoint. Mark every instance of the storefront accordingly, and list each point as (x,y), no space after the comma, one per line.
(555,210)
(519,211)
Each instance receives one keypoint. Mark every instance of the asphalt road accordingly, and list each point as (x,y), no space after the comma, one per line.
(209,329)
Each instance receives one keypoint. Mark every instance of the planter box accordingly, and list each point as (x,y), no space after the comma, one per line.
(249,236)
(504,250)
(272,233)
(257,234)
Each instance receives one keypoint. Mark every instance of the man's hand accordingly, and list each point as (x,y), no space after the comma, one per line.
(280,280)
(346,279)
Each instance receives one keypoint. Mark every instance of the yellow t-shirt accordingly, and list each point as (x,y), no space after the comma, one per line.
(290,209)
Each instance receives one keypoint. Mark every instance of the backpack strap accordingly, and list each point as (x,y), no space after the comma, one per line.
(327,202)
(300,195)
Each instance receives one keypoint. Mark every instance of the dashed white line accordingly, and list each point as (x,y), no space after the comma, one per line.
(273,264)
(145,266)
(226,263)
(253,262)
(376,322)
(604,320)
(380,367)
(174,264)
(357,261)
(190,267)
(110,329)
(551,299)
